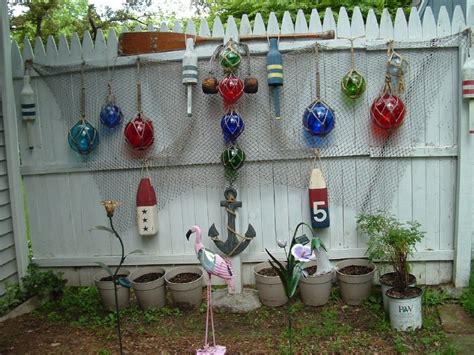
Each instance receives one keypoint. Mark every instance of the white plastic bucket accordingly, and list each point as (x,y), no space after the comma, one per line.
(405,313)
(386,287)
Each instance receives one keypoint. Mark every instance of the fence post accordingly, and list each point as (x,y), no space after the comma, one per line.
(464,193)
(11,143)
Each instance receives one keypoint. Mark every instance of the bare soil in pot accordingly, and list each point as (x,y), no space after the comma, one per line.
(390,278)
(152,276)
(185,277)
(109,278)
(269,271)
(356,270)
(401,293)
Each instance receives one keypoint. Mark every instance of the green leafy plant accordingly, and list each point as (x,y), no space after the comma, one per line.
(36,282)
(391,241)
(467,298)
(291,271)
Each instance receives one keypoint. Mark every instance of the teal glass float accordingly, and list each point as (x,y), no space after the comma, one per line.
(318,118)
(233,157)
(353,84)
(83,138)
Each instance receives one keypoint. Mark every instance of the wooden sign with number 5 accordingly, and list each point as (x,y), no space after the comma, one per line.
(318,200)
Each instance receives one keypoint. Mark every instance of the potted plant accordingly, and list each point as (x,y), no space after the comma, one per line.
(355,278)
(149,286)
(291,271)
(270,288)
(393,242)
(315,288)
(185,286)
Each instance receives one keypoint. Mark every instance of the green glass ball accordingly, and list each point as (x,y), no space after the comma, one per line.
(233,157)
(353,84)
(230,59)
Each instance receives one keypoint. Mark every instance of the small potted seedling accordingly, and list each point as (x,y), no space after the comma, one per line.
(393,242)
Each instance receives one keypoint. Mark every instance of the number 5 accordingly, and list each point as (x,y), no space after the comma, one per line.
(319,211)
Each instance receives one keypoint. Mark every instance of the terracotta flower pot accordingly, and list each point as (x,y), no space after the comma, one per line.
(185,295)
(316,289)
(355,289)
(150,294)
(270,288)
(106,291)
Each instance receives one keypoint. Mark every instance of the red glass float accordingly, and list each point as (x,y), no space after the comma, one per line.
(139,132)
(231,88)
(388,111)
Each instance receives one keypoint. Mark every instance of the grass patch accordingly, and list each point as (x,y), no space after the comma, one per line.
(467,298)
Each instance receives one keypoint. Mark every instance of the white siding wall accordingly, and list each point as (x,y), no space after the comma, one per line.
(61,229)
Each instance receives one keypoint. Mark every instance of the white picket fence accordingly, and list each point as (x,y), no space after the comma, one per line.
(60,229)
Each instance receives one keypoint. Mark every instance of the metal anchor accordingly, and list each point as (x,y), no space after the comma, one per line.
(235,242)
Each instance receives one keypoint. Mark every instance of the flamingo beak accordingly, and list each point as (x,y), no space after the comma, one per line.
(188,234)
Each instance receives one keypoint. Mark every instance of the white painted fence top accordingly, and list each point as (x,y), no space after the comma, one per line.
(372,32)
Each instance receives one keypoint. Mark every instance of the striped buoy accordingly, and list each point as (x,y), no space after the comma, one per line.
(468,90)
(28,108)
(318,200)
(275,74)
(190,72)
(147,210)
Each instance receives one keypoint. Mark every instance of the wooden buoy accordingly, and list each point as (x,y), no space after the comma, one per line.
(147,209)
(28,108)
(190,72)
(275,74)
(318,200)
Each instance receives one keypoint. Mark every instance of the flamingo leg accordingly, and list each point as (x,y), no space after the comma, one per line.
(206,344)
(209,305)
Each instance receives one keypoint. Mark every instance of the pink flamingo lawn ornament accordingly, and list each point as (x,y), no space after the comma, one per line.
(216,265)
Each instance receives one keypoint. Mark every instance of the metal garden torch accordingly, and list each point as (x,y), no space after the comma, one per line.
(28,105)
(190,73)
(275,74)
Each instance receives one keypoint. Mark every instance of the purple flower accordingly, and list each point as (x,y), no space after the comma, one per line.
(302,253)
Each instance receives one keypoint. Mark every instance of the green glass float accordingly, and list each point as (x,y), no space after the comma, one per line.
(230,57)
(233,157)
(353,84)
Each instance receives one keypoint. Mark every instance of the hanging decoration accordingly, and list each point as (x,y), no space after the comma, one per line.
(318,117)
(139,132)
(110,114)
(318,197)
(468,90)
(28,105)
(190,73)
(353,84)
(388,109)
(83,138)
(147,209)
(231,88)
(275,74)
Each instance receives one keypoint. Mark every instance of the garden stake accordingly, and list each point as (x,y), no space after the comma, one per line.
(110,208)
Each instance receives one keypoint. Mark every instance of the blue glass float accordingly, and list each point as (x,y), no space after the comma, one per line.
(111,115)
(232,126)
(318,118)
(83,137)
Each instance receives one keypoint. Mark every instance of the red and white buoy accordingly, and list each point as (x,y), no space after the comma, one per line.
(318,200)
(468,90)
(147,209)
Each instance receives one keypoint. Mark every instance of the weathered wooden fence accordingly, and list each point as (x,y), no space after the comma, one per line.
(433,190)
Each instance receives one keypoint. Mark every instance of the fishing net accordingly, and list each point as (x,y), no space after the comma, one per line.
(359,167)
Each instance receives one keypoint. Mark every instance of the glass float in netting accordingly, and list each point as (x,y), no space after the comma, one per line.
(232,126)
(318,118)
(353,84)
(139,132)
(83,137)
(233,157)
(111,115)
(388,111)
(231,88)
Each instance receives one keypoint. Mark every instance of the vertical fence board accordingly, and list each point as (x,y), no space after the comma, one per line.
(458,23)
(231,30)
(100,47)
(76,49)
(444,24)
(281,212)
(254,213)
(51,51)
(245,27)
(217,28)
(357,24)
(259,25)
(204,28)
(64,56)
(415,29)
(177,27)
(112,45)
(343,24)
(164,26)
(272,27)
(28,53)
(429,24)
(300,25)
(400,28)
(87,47)
(287,24)
(190,29)
(371,27)
(328,22)
(386,25)
(315,22)
(17,61)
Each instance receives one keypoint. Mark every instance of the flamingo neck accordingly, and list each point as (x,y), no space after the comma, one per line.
(198,244)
